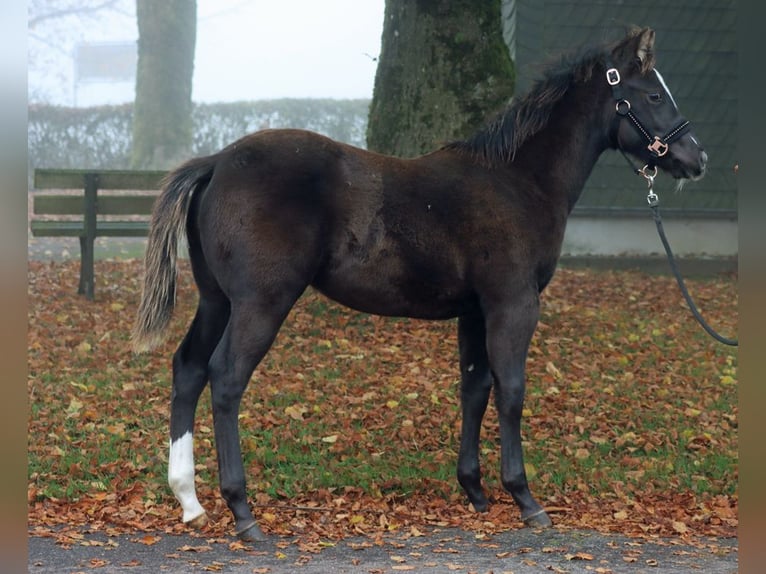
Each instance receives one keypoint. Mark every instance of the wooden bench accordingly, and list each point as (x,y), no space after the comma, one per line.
(80,215)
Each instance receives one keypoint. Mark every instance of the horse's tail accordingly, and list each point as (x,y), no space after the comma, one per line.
(168,225)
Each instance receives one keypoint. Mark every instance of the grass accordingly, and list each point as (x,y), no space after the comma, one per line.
(615,406)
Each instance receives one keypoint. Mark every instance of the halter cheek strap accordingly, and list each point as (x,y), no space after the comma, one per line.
(657,145)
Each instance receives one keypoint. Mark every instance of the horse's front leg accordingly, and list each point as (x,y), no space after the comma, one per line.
(509,332)
(475,385)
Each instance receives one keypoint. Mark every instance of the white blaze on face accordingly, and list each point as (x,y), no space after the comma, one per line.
(181,476)
(665,87)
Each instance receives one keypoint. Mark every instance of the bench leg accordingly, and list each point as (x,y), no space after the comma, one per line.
(86,268)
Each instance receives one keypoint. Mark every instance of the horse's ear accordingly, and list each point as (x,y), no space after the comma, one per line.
(637,48)
(645,51)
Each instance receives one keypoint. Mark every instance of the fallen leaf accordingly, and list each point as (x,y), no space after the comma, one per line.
(582,453)
(552,370)
(149,540)
(73,410)
(296,412)
(81,386)
(680,527)
(579,556)
(188,548)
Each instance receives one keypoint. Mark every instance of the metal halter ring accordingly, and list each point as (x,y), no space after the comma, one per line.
(622,111)
(645,172)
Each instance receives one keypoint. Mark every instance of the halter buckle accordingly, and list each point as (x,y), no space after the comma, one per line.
(658,147)
(613,76)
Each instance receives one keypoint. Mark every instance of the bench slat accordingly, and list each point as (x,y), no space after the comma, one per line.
(77,228)
(57,228)
(105,205)
(58,204)
(107,178)
(115,205)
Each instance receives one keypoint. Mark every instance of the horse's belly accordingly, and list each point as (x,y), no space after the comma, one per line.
(396,290)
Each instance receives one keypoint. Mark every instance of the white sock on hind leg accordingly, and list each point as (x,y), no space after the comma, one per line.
(181,476)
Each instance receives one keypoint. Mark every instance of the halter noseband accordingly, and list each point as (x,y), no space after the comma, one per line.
(657,146)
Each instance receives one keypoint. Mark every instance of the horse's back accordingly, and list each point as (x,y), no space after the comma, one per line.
(377,233)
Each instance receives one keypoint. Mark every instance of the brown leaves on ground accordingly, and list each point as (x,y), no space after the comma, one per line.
(630,420)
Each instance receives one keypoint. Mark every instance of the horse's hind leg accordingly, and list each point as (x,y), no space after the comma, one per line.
(476,383)
(190,375)
(252,327)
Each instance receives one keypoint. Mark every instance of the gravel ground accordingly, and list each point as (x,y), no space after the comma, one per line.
(446,550)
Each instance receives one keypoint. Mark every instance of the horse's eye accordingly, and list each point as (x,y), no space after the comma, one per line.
(656,97)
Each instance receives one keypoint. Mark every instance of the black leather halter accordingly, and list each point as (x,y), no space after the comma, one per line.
(657,145)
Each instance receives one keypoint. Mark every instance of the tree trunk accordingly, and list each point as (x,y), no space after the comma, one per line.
(162,122)
(443,70)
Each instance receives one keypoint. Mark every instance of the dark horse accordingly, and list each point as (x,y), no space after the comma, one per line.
(472,230)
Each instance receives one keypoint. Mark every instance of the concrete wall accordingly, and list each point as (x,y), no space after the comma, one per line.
(628,233)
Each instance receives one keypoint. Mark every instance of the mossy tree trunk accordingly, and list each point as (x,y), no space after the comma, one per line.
(162,121)
(443,70)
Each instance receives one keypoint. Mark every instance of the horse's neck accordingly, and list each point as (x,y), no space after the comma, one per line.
(563,154)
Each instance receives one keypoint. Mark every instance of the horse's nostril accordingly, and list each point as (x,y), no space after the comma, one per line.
(703,158)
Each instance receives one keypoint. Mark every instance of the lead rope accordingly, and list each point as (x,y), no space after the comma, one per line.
(654,202)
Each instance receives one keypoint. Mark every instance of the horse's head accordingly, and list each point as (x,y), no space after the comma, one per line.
(648,122)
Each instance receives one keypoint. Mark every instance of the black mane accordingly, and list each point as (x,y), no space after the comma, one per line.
(500,139)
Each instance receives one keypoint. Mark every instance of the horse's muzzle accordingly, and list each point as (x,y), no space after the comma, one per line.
(689,159)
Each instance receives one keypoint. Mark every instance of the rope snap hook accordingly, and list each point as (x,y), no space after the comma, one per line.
(649,174)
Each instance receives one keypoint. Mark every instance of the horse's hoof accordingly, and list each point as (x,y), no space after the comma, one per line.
(539,519)
(480,506)
(251,532)
(478,500)
(198,522)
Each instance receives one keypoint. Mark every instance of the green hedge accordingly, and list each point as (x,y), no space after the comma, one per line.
(100,137)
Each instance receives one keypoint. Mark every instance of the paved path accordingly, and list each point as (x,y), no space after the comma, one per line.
(441,551)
